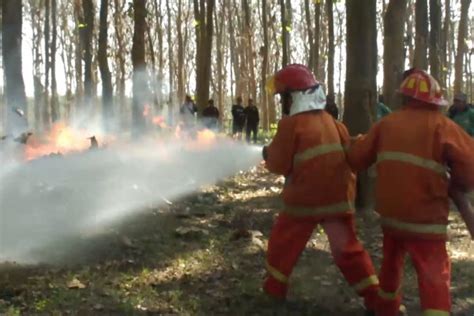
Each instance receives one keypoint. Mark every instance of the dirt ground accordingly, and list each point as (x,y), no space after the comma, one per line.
(204,255)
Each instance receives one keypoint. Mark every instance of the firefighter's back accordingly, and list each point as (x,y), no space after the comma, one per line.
(321,176)
(412,185)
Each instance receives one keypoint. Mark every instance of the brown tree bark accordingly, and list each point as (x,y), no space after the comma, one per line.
(79,30)
(331,47)
(284,34)
(170,63)
(421,36)
(106,76)
(265,69)
(12,63)
(54,89)
(317,37)
(88,7)
(120,55)
(219,22)
(394,62)
(47,65)
(204,33)
(462,47)
(410,30)
(249,52)
(139,67)
(444,43)
(435,38)
(66,44)
(180,70)
(309,30)
(37,37)
(361,87)
(159,31)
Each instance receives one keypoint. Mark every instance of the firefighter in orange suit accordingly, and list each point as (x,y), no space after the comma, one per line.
(308,149)
(413,149)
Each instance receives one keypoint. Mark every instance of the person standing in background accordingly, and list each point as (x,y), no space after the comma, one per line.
(210,116)
(253,118)
(238,118)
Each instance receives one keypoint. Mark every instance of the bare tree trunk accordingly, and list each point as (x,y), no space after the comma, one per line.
(361,87)
(444,43)
(153,80)
(340,18)
(12,63)
(243,71)
(139,66)
(265,70)
(170,64)
(410,32)
(435,38)
(159,31)
(204,11)
(180,70)
(317,37)
(235,64)
(37,36)
(330,15)
(220,58)
(394,30)
(309,29)
(421,39)
(462,47)
(47,65)
(54,89)
(120,56)
(88,7)
(79,52)
(284,34)
(66,39)
(249,52)
(107,91)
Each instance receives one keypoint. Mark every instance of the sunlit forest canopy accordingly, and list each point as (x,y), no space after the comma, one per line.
(86,54)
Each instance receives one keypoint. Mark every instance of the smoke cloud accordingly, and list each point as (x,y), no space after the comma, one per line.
(51,198)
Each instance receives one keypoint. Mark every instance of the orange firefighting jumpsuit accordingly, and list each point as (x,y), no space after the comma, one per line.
(411,149)
(308,151)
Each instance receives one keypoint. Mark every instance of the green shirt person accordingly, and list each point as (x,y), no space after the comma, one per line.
(382,109)
(461,113)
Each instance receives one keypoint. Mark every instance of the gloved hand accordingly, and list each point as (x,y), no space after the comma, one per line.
(265,153)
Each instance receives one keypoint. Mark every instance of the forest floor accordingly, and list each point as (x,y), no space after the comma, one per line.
(204,255)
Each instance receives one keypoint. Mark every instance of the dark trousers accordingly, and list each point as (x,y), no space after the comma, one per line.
(251,129)
(236,128)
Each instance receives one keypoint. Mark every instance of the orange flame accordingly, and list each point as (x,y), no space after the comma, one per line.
(61,139)
(146,110)
(159,121)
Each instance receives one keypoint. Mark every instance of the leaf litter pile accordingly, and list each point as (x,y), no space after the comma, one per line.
(205,255)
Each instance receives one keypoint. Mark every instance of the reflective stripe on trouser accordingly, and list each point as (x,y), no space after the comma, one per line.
(433,229)
(288,239)
(433,269)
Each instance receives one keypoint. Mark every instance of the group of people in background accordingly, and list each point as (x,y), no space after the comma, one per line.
(460,112)
(243,117)
(247,117)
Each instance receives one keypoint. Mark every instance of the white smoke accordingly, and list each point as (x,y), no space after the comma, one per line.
(48,199)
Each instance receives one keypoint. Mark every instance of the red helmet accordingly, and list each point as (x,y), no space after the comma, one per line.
(294,77)
(423,87)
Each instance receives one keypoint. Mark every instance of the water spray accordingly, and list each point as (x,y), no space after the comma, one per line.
(56,198)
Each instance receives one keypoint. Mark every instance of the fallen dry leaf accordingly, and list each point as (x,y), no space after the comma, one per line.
(76,284)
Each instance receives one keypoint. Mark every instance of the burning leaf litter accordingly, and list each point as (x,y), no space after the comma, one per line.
(72,189)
